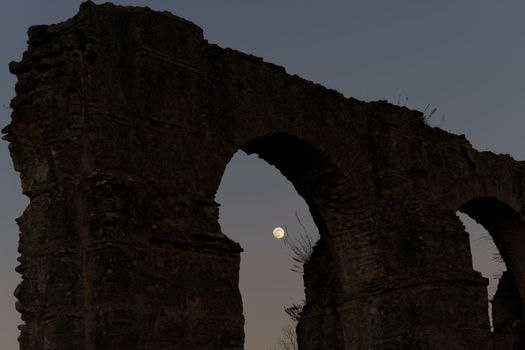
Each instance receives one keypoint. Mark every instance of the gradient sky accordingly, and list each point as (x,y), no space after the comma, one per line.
(466,58)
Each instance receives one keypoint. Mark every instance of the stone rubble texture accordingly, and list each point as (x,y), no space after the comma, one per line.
(122,126)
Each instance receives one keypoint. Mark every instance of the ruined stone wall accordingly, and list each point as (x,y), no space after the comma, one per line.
(122,126)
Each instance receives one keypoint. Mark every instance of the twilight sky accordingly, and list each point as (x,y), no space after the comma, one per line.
(466,58)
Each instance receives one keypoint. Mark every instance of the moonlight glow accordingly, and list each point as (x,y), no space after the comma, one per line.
(278,232)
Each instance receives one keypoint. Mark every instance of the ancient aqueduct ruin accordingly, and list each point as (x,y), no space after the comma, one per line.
(122,126)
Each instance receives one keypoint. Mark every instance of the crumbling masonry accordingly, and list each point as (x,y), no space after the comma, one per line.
(122,126)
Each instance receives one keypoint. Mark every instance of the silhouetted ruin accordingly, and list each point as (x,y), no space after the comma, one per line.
(122,126)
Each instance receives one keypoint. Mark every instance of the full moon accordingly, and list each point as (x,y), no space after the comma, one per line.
(278,232)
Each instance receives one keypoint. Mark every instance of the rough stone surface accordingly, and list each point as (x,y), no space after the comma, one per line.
(508,320)
(122,126)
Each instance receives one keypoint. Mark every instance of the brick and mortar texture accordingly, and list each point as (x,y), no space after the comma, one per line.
(122,126)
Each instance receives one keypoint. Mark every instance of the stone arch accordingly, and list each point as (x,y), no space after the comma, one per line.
(311,171)
(326,191)
(507,228)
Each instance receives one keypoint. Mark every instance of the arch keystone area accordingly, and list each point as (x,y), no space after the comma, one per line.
(122,125)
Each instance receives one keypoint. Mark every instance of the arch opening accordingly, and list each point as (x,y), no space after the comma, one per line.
(497,234)
(254,199)
(486,258)
(254,196)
